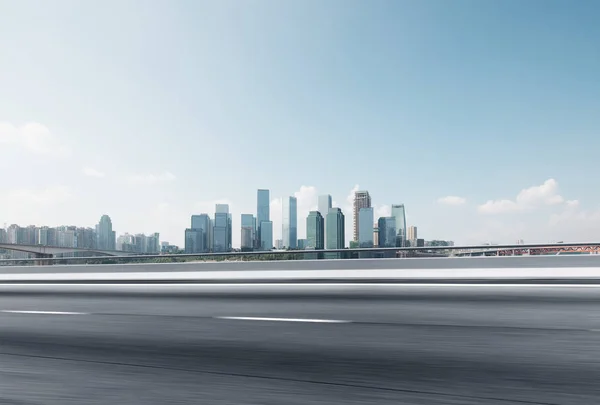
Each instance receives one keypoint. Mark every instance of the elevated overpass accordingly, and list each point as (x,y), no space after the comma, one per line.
(44,252)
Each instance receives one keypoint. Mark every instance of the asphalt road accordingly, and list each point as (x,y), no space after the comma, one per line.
(456,346)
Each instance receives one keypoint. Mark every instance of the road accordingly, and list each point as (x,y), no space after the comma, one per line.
(437,345)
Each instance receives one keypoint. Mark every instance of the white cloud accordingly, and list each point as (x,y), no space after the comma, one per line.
(151,178)
(527,199)
(35,138)
(383,211)
(452,200)
(91,172)
(36,206)
(47,196)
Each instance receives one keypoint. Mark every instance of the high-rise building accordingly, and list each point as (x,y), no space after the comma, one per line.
(365,226)
(375,234)
(399,213)
(324,203)
(67,237)
(105,233)
(302,243)
(335,238)
(222,229)
(290,223)
(315,231)
(266,235)
(202,224)
(248,241)
(387,231)
(411,234)
(362,199)
(194,241)
(262,210)
(86,237)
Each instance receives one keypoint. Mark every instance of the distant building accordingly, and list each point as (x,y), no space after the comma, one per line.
(263,208)
(202,223)
(323,206)
(335,238)
(266,236)
(248,240)
(302,244)
(290,222)
(362,199)
(222,229)
(105,234)
(365,226)
(387,231)
(399,213)
(194,241)
(315,230)
(375,235)
(278,244)
(411,233)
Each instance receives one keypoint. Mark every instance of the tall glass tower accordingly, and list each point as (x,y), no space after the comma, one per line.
(106,235)
(262,210)
(365,226)
(315,230)
(398,212)
(335,229)
(290,223)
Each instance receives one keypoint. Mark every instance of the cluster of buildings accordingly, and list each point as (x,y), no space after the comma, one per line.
(325,227)
(101,237)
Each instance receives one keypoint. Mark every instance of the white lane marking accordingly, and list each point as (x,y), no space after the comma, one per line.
(253,318)
(250,285)
(42,312)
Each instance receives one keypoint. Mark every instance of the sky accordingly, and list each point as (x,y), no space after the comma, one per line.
(482,117)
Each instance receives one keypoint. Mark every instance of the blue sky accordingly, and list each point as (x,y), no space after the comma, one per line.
(152,111)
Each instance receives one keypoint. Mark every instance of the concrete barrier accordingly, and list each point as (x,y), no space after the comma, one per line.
(523,262)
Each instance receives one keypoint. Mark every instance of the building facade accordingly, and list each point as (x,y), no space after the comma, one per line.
(362,199)
(266,236)
(262,211)
(335,238)
(222,229)
(105,234)
(365,227)
(290,223)
(248,240)
(399,213)
(387,231)
(315,230)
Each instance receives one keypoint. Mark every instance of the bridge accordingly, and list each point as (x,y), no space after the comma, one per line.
(43,252)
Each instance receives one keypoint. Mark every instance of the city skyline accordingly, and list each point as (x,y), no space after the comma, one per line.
(455,91)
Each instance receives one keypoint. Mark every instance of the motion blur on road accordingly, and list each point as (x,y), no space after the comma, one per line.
(424,345)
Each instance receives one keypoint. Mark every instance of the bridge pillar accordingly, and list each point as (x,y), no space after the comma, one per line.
(41,257)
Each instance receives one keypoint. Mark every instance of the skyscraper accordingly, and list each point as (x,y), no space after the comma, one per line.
(201,223)
(387,231)
(262,210)
(362,199)
(222,229)
(365,226)
(412,233)
(248,240)
(106,235)
(335,229)
(315,230)
(323,206)
(266,235)
(290,223)
(399,213)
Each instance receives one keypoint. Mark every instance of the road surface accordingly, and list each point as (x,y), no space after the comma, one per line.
(437,345)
